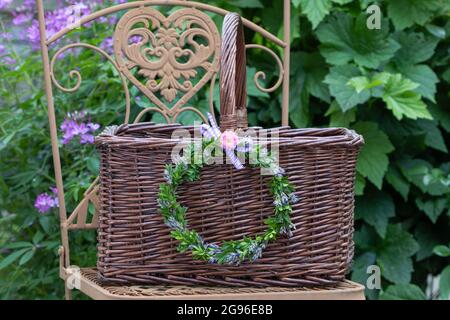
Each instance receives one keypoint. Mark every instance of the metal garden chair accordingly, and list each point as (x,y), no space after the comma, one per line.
(165,83)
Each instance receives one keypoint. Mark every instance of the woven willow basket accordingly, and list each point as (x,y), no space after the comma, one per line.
(135,246)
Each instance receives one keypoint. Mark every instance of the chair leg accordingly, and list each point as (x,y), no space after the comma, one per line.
(68,293)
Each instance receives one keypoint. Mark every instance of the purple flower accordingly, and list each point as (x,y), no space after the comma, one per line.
(6,36)
(8,61)
(21,18)
(93,126)
(33,34)
(68,128)
(112,20)
(44,202)
(5,3)
(107,45)
(293,198)
(57,20)
(86,138)
(232,258)
(135,39)
(74,126)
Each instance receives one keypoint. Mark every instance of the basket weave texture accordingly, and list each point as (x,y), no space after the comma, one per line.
(135,246)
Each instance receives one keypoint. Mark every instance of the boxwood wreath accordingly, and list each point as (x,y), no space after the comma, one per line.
(231,252)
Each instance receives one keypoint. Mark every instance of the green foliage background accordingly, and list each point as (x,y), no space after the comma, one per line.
(391,85)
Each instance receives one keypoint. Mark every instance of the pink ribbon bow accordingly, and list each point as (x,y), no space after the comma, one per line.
(229,140)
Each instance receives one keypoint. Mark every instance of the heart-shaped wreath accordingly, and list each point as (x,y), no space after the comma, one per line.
(184,170)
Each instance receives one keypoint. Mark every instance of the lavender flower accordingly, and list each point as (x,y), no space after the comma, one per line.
(284,199)
(232,258)
(277,203)
(288,230)
(212,260)
(135,39)
(44,202)
(167,176)
(8,61)
(5,3)
(6,36)
(74,126)
(213,248)
(279,171)
(174,224)
(256,250)
(5,58)
(20,18)
(57,20)
(293,198)
(107,45)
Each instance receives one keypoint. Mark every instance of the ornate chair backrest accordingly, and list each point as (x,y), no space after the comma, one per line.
(168,58)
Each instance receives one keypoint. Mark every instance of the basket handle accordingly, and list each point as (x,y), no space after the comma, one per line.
(233,75)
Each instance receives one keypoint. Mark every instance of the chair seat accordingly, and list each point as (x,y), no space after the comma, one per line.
(89,285)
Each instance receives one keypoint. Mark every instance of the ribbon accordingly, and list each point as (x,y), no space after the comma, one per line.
(229,141)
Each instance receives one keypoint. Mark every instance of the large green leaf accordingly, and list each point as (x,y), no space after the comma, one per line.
(345,94)
(406,13)
(339,118)
(360,184)
(296,3)
(400,97)
(442,251)
(299,112)
(375,208)
(424,76)
(424,176)
(314,67)
(403,292)
(433,136)
(394,255)
(433,208)
(415,48)
(373,160)
(398,182)
(427,238)
(315,10)
(444,284)
(247,3)
(442,114)
(366,238)
(345,39)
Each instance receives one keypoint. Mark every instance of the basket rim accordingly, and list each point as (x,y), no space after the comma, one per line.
(131,135)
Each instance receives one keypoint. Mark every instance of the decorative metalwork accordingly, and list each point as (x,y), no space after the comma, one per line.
(167,52)
(262,74)
(79,217)
(76,74)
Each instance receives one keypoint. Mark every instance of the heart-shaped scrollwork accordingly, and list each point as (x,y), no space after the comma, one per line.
(167,53)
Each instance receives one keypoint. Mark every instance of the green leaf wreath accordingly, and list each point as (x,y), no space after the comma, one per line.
(229,252)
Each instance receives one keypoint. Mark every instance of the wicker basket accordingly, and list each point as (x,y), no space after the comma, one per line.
(135,246)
